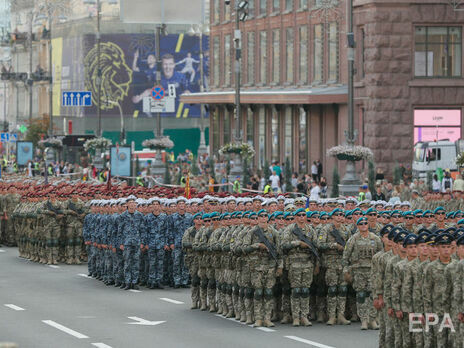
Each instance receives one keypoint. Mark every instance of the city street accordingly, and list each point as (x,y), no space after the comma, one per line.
(59,306)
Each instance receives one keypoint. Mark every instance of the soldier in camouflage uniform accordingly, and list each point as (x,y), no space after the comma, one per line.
(331,243)
(192,259)
(373,224)
(357,263)
(200,245)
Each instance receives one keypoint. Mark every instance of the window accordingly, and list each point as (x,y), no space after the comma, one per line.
(333,52)
(275,5)
(363,57)
(250,128)
(275,146)
(321,3)
(318,53)
(227,114)
(226,11)
(251,8)
(251,58)
(217,11)
(276,56)
(303,141)
(438,52)
(216,62)
(303,4)
(288,134)
(303,33)
(262,7)
(433,155)
(262,135)
(262,57)
(214,114)
(288,5)
(227,71)
(290,51)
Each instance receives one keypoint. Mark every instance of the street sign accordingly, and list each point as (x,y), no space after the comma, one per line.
(157,93)
(168,104)
(13,137)
(76,98)
(6,137)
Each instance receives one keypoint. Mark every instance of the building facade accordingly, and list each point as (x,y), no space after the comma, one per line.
(294,78)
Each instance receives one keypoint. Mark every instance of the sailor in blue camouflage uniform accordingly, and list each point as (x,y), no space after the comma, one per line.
(144,265)
(100,239)
(87,232)
(108,279)
(156,241)
(118,258)
(170,207)
(180,222)
(130,227)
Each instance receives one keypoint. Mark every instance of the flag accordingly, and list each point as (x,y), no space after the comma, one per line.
(187,187)
(307,204)
(108,183)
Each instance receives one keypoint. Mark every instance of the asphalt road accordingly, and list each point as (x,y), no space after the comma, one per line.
(59,307)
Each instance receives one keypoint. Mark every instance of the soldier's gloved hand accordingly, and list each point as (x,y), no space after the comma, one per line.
(121,247)
(141,246)
(304,245)
(172,246)
(166,248)
(461,317)
(262,246)
(391,312)
(279,272)
(399,314)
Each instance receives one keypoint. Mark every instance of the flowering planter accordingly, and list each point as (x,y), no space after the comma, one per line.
(346,157)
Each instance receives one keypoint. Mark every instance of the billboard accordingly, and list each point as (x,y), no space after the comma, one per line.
(437,124)
(120,160)
(128,69)
(24,152)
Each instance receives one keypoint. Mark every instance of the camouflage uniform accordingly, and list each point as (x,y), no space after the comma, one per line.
(453,299)
(387,295)
(191,261)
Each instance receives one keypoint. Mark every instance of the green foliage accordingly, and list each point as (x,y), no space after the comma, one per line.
(167,174)
(37,128)
(228,166)
(288,176)
(396,174)
(266,170)
(212,164)
(371,176)
(335,183)
(194,168)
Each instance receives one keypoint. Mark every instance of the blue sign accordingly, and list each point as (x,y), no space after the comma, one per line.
(120,159)
(24,152)
(6,137)
(76,98)
(157,93)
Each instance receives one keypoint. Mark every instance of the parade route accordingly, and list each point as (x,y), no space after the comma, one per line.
(62,307)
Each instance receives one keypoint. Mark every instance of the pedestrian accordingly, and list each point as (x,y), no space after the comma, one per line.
(447,182)
(314,172)
(436,185)
(319,170)
(314,191)
(275,181)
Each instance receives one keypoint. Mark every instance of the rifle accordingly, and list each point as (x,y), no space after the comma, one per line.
(262,239)
(73,207)
(337,237)
(53,209)
(297,232)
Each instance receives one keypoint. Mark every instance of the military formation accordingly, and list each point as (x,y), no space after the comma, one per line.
(393,267)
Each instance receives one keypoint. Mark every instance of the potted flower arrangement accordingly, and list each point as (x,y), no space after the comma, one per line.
(351,153)
(243,149)
(100,143)
(55,143)
(460,160)
(158,143)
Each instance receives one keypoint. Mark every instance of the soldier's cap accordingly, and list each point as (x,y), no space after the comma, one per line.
(336,211)
(396,212)
(341,201)
(460,241)
(427,212)
(361,219)
(357,211)
(444,239)
(271,217)
(252,215)
(364,203)
(262,212)
(315,214)
(181,199)
(206,217)
(405,204)
(439,209)
(197,216)
(290,208)
(298,211)
(270,201)
(288,215)
(257,198)
(422,237)
(300,200)
(461,222)
(230,199)
(385,213)
(281,198)
(245,214)
(308,214)
(351,200)
(450,215)
(370,210)
(415,191)
(417,212)
(411,239)
(214,215)
(458,214)
(379,204)
(323,215)
(450,230)
(392,234)
(238,215)
(278,213)
(348,213)
(386,229)
(407,213)
(312,200)
(225,216)
(431,239)
(399,238)
(131,198)
(288,201)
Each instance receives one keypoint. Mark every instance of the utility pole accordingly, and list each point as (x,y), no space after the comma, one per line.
(50,71)
(30,80)
(99,72)
(238,53)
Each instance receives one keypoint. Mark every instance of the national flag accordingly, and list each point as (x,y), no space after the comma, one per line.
(187,187)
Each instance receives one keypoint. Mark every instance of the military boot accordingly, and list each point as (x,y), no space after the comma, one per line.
(258,323)
(373,325)
(342,320)
(268,323)
(304,321)
(364,325)
(320,317)
(286,319)
(296,322)
(331,321)
(248,318)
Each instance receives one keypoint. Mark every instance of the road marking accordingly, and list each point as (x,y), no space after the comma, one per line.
(86,317)
(265,329)
(171,300)
(133,290)
(53,266)
(16,308)
(2,251)
(141,321)
(101,345)
(311,343)
(84,275)
(64,329)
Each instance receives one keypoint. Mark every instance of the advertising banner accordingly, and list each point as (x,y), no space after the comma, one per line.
(120,160)
(24,152)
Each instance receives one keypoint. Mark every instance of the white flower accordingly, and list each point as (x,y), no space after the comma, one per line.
(243,149)
(353,153)
(97,143)
(51,142)
(158,143)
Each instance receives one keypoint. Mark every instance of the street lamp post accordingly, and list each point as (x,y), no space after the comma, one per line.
(99,132)
(50,71)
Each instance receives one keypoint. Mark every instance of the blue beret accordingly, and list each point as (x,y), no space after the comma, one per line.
(461,222)
(438,209)
(299,210)
(361,219)
(406,213)
(396,211)
(450,214)
(370,210)
(278,213)
(197,216)
(261,211)
(400,237)
(444,239)
(252,214)
(422,237)
(335,211)
(460,241)
(386,229)
(206,216)
(417,212)
(287,214)
(410,240)
(426,212)
(356,210)
(317,213)
(348,213)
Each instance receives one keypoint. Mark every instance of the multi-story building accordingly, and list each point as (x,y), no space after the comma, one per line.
(408,63)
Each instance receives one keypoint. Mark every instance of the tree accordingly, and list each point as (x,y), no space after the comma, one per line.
(37,128)
(212,166)
(371,177)
(194,168)
(167,174)
(288,176)
(396,174)
(335,183)
(266,171)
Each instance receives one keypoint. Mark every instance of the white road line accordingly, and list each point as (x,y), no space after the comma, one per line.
(84,275)
(171,300)
(2,251)
(101,345)
(16,308)
(265,329)
(64,329)
(133,290)
(311,343)
(53,266)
